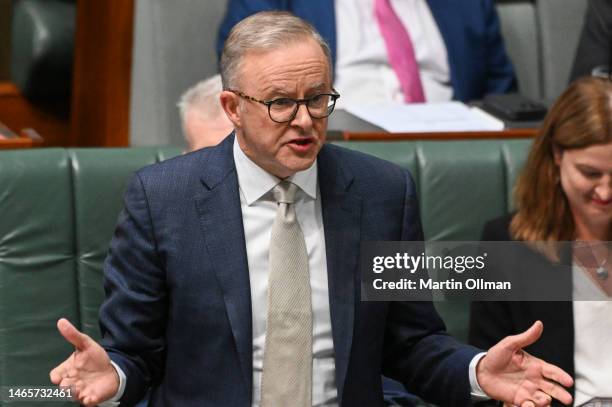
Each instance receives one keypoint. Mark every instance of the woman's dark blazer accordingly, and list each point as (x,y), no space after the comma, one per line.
(492,321)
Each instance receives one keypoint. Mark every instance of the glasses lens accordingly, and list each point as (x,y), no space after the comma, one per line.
(321,106)
(281,110)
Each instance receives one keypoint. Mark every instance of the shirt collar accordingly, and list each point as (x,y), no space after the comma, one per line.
(255,182)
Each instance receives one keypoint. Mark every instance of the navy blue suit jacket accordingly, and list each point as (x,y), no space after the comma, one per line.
(470,30)
(177,314)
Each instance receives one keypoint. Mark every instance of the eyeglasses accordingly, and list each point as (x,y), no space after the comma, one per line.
(283,110)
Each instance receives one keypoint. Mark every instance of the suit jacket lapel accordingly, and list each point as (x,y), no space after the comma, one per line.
(221,220)
(341,219)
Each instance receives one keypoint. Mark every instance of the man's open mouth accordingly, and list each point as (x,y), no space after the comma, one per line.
(302,142)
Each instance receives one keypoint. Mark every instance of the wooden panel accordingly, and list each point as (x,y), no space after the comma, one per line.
(101,74)
(18,142)
(5,38)
(17,113)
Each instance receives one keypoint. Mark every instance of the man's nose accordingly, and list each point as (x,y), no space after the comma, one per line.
(302,117)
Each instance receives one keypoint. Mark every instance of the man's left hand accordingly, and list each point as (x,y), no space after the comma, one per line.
(510,374)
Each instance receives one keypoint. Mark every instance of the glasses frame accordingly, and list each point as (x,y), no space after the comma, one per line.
(298,102)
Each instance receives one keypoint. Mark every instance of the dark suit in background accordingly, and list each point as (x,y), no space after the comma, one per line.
(595,43)
(470,30)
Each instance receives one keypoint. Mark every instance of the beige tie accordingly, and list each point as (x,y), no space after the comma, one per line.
(287,367)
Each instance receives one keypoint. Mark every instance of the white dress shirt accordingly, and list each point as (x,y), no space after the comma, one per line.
(592,344)
(258,214)
(363,73)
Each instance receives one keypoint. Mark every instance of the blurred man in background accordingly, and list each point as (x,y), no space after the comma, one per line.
(203,119)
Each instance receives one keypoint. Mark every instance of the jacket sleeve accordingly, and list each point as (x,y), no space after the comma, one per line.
(500,76)
(594,46)
(134,313)
(417,349)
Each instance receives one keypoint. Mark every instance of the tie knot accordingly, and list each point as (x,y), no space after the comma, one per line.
(284,192)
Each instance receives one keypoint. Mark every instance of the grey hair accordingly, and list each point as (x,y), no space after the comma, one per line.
(203,96)
(267,30)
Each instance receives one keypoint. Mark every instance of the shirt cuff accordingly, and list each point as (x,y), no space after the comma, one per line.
(114,402)
(476,391)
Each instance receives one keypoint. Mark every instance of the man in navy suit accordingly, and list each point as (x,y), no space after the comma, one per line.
(458,45)
(187,274)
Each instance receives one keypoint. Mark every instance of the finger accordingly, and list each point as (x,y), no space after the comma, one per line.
(527,403)
(541,399)
(526,338)
(90,400)
(557,374)
(56,375)
(555,391)
(67,382)
(71,334)
(60,371)
(79,386)
(70,383)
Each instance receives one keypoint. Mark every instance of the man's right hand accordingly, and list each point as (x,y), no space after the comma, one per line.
(88,370)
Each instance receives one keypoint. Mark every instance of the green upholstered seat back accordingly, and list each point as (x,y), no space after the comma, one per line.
(59,209)
(37,273)
(461,184)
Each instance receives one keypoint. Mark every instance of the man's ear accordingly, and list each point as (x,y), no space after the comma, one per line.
(230,103)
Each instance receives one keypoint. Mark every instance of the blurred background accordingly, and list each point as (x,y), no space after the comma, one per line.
(109,73)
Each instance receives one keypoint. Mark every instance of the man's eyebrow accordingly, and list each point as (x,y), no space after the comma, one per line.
(274,91)
(318,87)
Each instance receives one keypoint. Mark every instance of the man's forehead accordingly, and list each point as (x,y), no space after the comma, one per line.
(288,46)
(303,59)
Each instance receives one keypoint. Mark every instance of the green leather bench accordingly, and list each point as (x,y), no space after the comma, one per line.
(59,207)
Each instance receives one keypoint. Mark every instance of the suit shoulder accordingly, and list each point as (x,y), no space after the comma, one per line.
(365,164)
(374,177)
(175,177)
(175,166)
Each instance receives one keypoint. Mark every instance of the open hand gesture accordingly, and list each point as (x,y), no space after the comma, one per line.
(88,371)
(510,374)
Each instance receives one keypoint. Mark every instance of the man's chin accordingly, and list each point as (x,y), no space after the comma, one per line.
(297,165)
